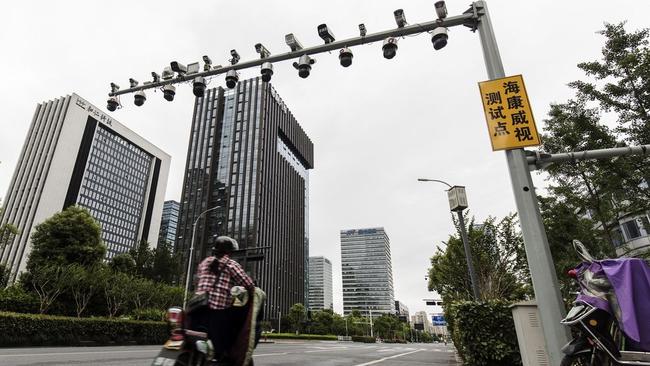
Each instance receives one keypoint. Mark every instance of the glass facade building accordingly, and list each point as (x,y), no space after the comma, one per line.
(75,154)
(249,157)
(169,223)
(367,272)
(320,283)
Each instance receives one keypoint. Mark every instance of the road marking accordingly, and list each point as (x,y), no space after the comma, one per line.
(388,358)
(270,354)
(75,353)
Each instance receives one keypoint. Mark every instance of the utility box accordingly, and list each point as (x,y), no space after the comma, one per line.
(530,335)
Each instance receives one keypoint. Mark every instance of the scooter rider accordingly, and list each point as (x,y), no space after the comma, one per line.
(217,274)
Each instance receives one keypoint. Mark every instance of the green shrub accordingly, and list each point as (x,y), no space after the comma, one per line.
(314,337)
(484,333)
(150,314)
(16,299)
(363,339)
(47,330)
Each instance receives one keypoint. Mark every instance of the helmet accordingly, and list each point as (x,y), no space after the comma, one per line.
(225,244)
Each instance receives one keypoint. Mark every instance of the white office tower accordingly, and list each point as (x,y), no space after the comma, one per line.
(320,283)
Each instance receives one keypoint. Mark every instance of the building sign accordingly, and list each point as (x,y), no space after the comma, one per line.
(438,320)
(96,113)
(508,113)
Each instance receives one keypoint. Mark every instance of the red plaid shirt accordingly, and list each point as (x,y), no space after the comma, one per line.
(230,274)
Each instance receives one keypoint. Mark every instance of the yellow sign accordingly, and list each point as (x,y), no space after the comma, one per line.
(508,114)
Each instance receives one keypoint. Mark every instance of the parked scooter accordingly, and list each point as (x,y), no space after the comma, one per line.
(610,316)
(186,347)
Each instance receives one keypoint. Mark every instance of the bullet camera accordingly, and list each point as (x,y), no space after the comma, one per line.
(390,47)
(304,65)
(400,19)
(362,30)
(167,73)
(267,71)
(207,63)
(178,67)
(439,38)
(293,42)
(139,98)
(155,76)
(169,91)
(133,83)
(235,57)
(231,79)
(345,57)
(264,53)
(114,88)
(441,9)
(112,104)
(198,86)
(325,33)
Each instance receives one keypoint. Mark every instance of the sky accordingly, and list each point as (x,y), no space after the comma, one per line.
(376,126)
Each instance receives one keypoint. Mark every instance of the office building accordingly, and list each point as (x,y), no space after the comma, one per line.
(169,223)
(249,157)
(402,312)
(367,272)
(75,154)
(320,283)
(421,321)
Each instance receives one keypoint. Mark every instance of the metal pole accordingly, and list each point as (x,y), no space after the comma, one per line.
(541,160)
(468,256)
(189,261)
(371,330)
(279,319)
(540,262)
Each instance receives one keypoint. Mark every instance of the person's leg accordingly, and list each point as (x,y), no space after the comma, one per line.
(218,333)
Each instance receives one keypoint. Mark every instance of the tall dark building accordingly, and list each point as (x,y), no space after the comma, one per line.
(248,155)
(169,222)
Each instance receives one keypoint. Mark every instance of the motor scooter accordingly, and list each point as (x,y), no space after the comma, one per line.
(608,327)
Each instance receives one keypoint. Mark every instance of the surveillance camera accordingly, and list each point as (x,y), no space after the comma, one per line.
(235,57)
(390,47)
(207,63)
(267,71)
(325,33)
(112,103)
(345,57)
(304,65)
(264,53)
(178,67)
(114,88)
(362,30)
(155,76)
(293,42)
(198,86)
(169,91)
(439,38)
(139,98)
(441,9)
(133,83)
(400,19)
(231,79)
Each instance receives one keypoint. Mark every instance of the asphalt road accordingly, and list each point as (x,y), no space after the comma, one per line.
(283,353)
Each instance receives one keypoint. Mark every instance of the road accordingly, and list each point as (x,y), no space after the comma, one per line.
(281,353)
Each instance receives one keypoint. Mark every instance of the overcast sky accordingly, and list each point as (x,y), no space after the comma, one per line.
(377,126)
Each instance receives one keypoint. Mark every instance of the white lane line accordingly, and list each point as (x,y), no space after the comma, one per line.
(76,353)
(270,354)
(323,350)
(388,358)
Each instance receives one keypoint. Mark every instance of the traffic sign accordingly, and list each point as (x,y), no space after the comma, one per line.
(508,113)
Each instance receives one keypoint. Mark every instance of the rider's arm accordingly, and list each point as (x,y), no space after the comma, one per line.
(205,275)
(240,277)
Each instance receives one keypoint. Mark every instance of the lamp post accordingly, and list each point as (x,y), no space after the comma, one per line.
(457,203)
(189,261)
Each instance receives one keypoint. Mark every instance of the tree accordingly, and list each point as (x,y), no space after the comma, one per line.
(5,273)
(123,263)
(70,236)
(166,266)
(297,316)
(117,290)
(499,260)
(49,282)
(83,284)
(143,291)
(7,231)
(386,326)
(143,257)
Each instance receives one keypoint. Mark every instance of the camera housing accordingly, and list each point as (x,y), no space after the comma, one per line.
(155,76)
(139,98)
(304,66)
(390,47)
(362,30)
(207,63)
(178,67)
(267,71)
(231,79)
(345,57)
(400,19)
(325,33)
(441,9)
(293,42)
(198,86)
(235,57)
(167,73)
(439,38)
(133,83)
(112,104)
(169,91)
(263,51)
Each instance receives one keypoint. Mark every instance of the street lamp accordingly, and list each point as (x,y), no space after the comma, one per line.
(189,261)
(457,203)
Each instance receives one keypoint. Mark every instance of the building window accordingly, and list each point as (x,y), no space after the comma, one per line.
(631,230)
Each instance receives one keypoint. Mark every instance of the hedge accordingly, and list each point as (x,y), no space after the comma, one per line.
(47,330)
(314,337)
(364,339)
(484,333)
(17,300)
